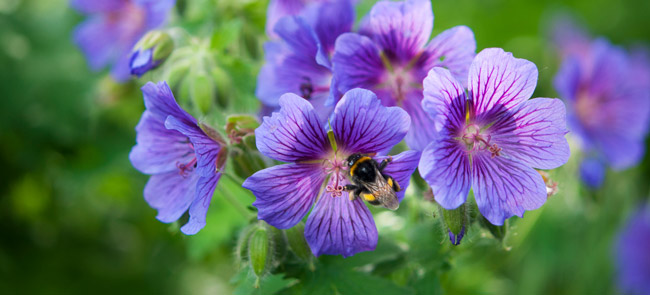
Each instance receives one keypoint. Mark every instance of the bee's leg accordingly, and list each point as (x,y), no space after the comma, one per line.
(384,163)
(392,182)
(353,190)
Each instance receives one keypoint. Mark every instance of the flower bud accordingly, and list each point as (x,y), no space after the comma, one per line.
(456,221)
(260,251)
(202,90)
(151,51)
(297,242)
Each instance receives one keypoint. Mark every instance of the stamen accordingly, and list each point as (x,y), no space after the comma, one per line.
(185,169)
(306,88)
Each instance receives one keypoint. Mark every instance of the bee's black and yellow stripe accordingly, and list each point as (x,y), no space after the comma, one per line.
(354,167)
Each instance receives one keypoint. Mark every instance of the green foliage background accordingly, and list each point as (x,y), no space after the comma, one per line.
(73,220)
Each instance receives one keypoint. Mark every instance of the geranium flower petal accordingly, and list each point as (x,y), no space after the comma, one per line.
(279,9)
(199,209)
(499,82)
(338,226)
(446,168)
(285,193)
(400,28)
(401,168)
(158,149)
(423,129)
(329,19)
(592,172)
(356,62)
(567,79)
(294,133)
(289,71)
(94,37)
(171,194)
(205,148)
(160,101)
(453,49)
(362,125)
(444,100)
(534,135)
(504,187)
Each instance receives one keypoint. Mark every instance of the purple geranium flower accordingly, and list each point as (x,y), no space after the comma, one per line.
(114,26)
(391,57)
(632,255)
(182,156)
(607,92)
(299,62)
(492,140)
(285,193)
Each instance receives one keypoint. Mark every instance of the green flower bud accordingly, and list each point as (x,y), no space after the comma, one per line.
(150,52)
(202,90)
(499,232)
(457,222)
(241,251)
(297,242)
(260,251)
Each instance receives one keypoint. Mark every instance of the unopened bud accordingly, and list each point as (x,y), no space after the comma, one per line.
(151,51)
(297,242)
(202,90)
(260,251)
(456,221)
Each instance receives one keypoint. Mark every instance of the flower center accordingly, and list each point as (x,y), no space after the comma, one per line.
(475,140)
(185,169)
(398,77)
(335,167)
(586,108)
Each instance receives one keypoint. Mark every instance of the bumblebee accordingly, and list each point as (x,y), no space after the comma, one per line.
(370,183)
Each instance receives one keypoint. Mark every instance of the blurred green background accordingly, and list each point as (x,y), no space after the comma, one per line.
(73,219)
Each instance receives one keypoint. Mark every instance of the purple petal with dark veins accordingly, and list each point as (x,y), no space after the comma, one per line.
(401,168)
(329,19)
(401,29)
(361,124)
(444,100)
(285,193)
(171,194)
(205,148)
(160,101)
(534,135)
(423,129)
(338,226)
(199,209)
(445,166)
(499,82)
(293,134)
(453,49)
(504,187)
(158,149)
(356,62)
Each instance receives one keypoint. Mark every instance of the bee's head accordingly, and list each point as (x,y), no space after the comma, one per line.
(353,159)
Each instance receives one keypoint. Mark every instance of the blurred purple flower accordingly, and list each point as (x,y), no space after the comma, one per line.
(281,8)
(632,254)
(285,193)
(113,28)
(300,61)
(492,140)
(182,158)
(607,92)
(391,57)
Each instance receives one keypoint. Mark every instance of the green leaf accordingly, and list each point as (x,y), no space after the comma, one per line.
(269,285)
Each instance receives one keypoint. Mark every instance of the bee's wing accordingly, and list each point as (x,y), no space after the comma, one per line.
(383,192)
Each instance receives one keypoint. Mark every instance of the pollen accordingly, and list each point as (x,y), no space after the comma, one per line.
(475,140)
